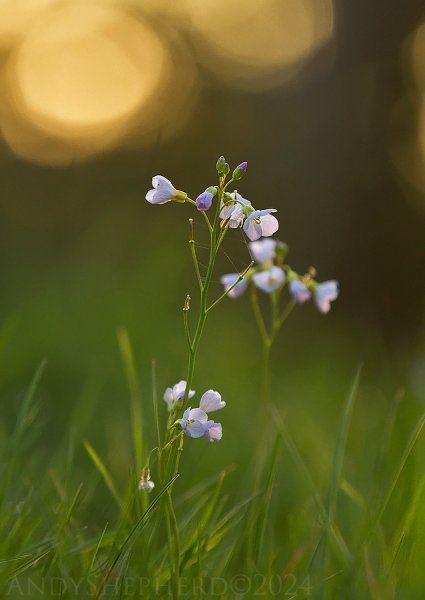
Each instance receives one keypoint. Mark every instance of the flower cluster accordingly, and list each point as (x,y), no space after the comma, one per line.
(235,211)
(195,422)
(174,396)
(271,274)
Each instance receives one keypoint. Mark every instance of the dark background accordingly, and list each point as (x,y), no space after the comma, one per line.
(82,253)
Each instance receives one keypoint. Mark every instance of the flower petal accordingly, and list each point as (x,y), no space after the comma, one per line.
(263,250)
(270,280)
(211,401)
(269,225)
(229,279)
(214,432)
(197,414)
(299,291)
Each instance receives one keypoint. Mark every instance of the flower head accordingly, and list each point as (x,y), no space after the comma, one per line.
(194,422)
(204,200)
(211,401)
(229,279)
(163,191)
(270,280)
(263,251)
(232,210)
(176,393)
(213,431)
(260,223)
(324,294)
(299,291)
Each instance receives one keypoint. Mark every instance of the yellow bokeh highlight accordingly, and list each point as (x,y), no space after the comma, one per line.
(407,149)
(259,43)
(86,76)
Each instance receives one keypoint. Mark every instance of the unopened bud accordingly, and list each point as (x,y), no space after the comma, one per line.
(240,171)
(204,200)
(222,167)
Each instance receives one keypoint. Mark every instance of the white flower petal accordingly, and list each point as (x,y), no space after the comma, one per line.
(211,401)
(269,225)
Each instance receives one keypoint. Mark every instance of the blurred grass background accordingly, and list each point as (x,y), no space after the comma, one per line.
(330,119)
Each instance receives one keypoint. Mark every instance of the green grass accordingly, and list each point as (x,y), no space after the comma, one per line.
(336,509)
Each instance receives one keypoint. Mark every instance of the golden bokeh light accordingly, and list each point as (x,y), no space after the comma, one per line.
(407,148)
(86,76)
(259,43)
(17,15)
(416,50)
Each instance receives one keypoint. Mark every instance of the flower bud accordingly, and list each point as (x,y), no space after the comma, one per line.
(222,167)
(240,171)
(204,200)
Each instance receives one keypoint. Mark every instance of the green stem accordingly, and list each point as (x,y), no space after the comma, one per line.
(216,238)
(226,293)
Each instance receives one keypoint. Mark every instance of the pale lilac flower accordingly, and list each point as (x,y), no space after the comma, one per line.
(164,191)
(229,279)
(270,280)
(324,294)
(261,223)
(176,393)
(204,200)
(263,251)
(233,212)
(211,401)
(299,291)
(194,422)
(213,431)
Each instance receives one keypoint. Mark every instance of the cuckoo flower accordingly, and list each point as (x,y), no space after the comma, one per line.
(164,191)
(213,431)
(324,294)
(263,251)
(269,281)
(260,223)
(175,394)
(194,422)
(204,200)
(299,291)
(232,210)
(211,401)
(230,279)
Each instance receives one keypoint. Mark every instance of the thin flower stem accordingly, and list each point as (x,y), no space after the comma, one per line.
(155,403)
(195,263)
(204,214)
(226,293)
(186,328)
(193,252)
(286,312)
(258,315)
(227,184)
(216,237)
